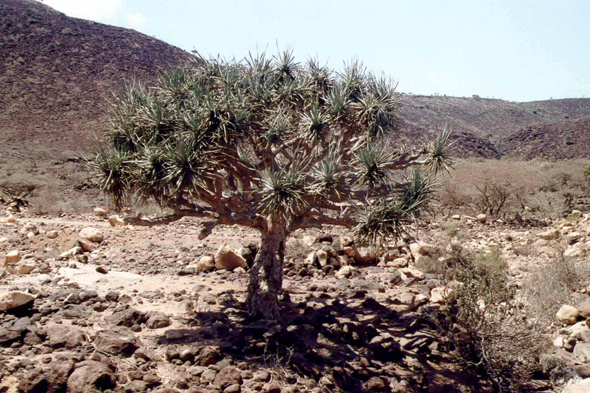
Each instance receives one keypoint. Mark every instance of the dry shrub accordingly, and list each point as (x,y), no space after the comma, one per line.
(551,285)
(485,328)
(505,187)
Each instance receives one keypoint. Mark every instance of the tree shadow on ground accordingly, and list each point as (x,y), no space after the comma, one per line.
(349,339)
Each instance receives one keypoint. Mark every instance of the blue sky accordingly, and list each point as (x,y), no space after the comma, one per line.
(518,50)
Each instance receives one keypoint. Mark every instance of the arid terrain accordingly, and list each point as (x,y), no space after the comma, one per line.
(488,292)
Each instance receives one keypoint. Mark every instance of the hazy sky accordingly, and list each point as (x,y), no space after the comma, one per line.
(519,50)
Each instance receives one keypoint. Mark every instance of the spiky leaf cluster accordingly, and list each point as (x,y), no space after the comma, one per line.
(260,137)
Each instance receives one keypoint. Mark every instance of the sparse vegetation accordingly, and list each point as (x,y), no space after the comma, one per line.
(485,326)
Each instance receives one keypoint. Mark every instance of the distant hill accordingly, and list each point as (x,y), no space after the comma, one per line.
(57,72)
(489,118)
(556,141)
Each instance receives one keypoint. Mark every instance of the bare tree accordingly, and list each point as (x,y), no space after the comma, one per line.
(270,144)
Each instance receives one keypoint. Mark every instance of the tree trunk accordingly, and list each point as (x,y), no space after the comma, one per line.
(266,274)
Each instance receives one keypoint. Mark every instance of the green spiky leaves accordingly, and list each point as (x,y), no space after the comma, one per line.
(283,191)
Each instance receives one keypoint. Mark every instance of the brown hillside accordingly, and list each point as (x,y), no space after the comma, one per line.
(57,72)
(488,117)
(555,141)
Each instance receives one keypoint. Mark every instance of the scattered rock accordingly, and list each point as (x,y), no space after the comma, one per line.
(482,218)
(91,377)
(52,234)
(21,268)
(64,336)
(578,387)
(228,259)
(551,234)
(206,264)
(92,234)
(157,320)
(568,314)
(102,270)
(12,257)
(14,300)
(209,355)
(100,212)
(116,221)
(117,341)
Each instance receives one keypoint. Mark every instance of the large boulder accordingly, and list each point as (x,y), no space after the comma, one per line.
(228,259)
(49,379)
(14,300)
(64,336)
(568,314)
(91,377)
(92,234)
(118,342)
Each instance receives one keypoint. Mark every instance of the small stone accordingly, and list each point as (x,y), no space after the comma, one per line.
(92,234)
(568,314)
(116,221)
(52,234)
(482,218)
(411,272)
(100,212)
(345,272)
(12,257)
(11,219)
(102,269)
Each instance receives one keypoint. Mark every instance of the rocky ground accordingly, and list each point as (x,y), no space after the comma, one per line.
(89,305)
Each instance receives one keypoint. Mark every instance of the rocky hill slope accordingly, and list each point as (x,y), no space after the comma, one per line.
(57,72)
(488,117)
(556,141)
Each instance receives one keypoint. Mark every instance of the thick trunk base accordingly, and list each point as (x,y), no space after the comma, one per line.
(266,277)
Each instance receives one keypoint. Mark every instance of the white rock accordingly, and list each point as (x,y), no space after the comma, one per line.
(456,217)
(14,299)
(441,295)
(398,262)
(206,264)
(344,272)
(92,234)
(576,213)
(411,272)
(21,268)
(228,259)
(3,240)
(12,257)
(322,257)
(568,314)
(100,212)
(116,221)
(482,218)
(311,259)
(578,387)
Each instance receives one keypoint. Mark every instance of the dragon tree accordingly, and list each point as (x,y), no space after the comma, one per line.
(270,144)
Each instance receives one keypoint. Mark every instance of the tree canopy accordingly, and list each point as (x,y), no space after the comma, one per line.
(270,144)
